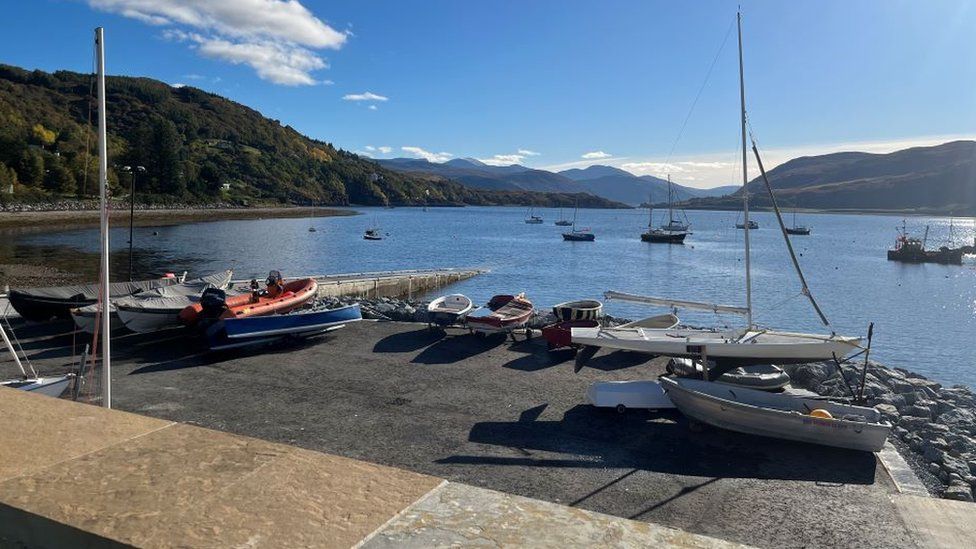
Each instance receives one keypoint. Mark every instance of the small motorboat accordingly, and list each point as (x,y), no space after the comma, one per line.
(580,235)
(533,219)
(778,415)
(764,377)
(753,224)
(278,298)
(503,313)
(560,334)
(231,333)
(448,310)
(583,309)
(798,230)
(41,304)
(151,310)
(160,309)
(373,234)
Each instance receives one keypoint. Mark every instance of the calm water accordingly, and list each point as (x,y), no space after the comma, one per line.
(924,315)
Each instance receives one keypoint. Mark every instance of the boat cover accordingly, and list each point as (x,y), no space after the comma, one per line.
(89,292)
(174,297)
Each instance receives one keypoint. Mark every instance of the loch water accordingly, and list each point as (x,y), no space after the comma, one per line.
(924,315)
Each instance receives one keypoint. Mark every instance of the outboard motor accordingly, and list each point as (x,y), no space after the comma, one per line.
(213,303)
(274,278)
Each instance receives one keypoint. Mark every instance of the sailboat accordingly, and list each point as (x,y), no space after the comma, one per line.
(728,348)
(50,386)
(579,235)
(563,222)
(674,231)
(801,230)
(533,219)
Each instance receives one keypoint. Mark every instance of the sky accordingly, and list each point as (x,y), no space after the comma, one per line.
(648,86)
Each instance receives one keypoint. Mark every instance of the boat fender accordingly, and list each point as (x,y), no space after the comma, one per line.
(821,413)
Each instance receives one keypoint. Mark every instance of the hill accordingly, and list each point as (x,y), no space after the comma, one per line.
(623,186)
(196,147)
(938,179)
(479,175)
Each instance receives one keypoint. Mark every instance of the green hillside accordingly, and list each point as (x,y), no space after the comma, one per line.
(197,147)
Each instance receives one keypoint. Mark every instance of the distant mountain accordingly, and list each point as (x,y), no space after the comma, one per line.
(479,175)
(937,179)
(623,186)
(594,172)
(724,190)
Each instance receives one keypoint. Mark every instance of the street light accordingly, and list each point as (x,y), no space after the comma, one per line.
(132,206)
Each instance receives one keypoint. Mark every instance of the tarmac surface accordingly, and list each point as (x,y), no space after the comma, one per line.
(505,416)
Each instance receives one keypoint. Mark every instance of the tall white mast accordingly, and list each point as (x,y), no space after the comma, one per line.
(745,175)
(670,204)
(103,189)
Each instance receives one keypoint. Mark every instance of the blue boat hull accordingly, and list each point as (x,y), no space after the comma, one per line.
(238,332)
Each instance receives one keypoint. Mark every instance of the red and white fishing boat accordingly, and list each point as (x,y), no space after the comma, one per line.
(503,313)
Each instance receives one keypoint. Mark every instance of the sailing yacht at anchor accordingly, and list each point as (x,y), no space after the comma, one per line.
(728,348)
(674,231)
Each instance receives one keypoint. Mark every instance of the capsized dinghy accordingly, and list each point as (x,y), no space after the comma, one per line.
(448,310)
(778,415)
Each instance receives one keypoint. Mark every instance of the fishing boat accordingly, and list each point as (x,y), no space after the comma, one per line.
(448,310)
(373,234)
(910,249)
(582,309)
(764,377)
(729,348)
(778,415)
(533,219)
(799,230)
(232,333)
(578,235)
(42,304)
(503,313)
(672,232)
(279,297)
(160,309)
(49,385)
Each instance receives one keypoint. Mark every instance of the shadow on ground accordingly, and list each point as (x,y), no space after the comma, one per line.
(661,442)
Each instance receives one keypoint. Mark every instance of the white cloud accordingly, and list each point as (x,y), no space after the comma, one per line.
(370,148)
(527,152)
(427,155)
(372,107)
(365,96)
(653,168)
(177,84)
(595,155)
(276,38)
(385,150)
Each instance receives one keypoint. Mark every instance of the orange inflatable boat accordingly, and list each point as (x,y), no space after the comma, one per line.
(279,297)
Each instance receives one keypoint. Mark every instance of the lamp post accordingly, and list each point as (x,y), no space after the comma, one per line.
(132,206)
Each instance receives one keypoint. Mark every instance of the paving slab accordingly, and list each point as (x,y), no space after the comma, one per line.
(457,515)
(938,523)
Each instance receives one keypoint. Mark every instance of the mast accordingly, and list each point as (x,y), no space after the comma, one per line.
(13,352)
(103,189)
(745,173)
(670,203)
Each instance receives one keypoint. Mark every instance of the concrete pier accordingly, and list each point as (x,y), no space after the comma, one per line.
(401,284)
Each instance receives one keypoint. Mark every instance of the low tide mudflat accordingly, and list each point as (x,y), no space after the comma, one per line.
(506,416)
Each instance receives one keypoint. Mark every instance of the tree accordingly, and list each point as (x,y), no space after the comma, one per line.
(8,178)
(30,168)
(44,136)
(59,178)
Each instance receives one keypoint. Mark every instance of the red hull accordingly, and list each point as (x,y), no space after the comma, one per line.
(506,312)
(560,335)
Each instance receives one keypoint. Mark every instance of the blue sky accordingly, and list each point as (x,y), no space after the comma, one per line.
(549,84)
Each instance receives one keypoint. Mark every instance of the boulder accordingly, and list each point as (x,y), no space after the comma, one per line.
(899,386)
(959,491)
(811,376)
(916,410)
(953,466)
(888,412)
(912,423)
(932,452)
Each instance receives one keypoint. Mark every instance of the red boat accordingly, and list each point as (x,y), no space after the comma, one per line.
(504,314)
(559,335)
(278,298)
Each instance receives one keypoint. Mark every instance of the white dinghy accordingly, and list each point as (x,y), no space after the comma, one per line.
(764,377)
(448,310)
(51,386)
(728,348)
(778,415)
(160,309)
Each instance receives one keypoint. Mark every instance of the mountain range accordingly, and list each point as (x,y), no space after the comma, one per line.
(604,181)
(940,179)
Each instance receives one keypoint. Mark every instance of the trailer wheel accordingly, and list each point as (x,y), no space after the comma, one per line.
(621,409)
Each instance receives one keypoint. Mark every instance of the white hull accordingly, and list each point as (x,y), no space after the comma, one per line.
(751,347)
(776,415)
(145,322)
(628,394)
(85,320)
(49,386)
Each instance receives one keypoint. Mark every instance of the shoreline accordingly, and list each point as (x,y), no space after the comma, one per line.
(68,219)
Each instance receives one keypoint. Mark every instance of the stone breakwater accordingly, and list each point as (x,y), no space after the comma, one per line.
(934,426)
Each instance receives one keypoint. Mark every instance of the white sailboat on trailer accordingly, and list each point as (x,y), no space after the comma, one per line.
(728,348)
